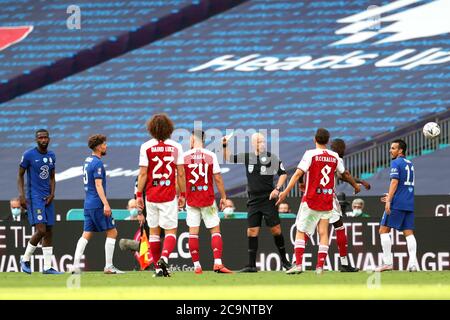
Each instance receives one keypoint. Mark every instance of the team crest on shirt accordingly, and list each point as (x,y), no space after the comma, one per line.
(45,160)
(250,168)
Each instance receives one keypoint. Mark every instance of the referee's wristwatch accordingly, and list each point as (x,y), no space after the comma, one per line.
(278,189)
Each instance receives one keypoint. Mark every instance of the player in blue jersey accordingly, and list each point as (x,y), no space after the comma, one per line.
(399,207)
(97,212)
(39,164)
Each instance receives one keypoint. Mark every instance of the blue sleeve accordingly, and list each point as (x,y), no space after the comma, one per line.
(395,170)
(98,170)
(25,161)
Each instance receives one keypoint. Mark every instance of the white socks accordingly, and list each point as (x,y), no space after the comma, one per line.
(386,244)
(344,261)
(109,251)
(28,252)
(412,250)
(81,245)
(48,254)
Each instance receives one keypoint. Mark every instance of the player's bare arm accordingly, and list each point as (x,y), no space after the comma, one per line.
(221,188)
(142,180)
(101,194)
(181,185)
(392,188)
(20,185)
(50,198)
(276,192)
(347,177)
(364,183)
(294,179)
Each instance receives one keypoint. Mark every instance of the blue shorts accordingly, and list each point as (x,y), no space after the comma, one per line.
(96,221)
(38,212)
(399,220)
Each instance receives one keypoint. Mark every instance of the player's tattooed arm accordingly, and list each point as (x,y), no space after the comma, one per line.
(142,180)
(50,198)
(294,179)
(347,177)
(20,186)
(364,183)
(181,179)
(221,188)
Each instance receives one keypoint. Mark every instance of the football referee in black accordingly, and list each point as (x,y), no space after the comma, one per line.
(261,167)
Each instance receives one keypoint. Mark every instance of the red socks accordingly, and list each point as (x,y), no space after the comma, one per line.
(322,256)
(169,244)
(155,248)
(216,245)
(299,250)
(341,239)
(194,247)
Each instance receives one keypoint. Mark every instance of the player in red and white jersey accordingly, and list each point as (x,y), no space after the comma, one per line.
(202,169)
(320,166)
(161,168)
(338,146)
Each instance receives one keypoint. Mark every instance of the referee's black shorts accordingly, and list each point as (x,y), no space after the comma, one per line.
(259,207)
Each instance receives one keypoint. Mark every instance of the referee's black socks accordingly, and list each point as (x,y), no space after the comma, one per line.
(279,242)
(252,250)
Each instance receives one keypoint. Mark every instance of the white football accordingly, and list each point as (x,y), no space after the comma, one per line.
(431,130)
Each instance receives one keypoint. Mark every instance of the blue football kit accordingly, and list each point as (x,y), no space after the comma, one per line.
(402,204)
(39,167)
(94,219)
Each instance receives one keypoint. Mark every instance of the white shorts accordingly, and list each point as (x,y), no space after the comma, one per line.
(164,214)
(308,219)
(210,216)
(337,212)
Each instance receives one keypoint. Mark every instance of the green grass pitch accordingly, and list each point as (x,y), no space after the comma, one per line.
(212,286)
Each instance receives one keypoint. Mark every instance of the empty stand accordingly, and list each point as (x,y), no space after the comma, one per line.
(300,82)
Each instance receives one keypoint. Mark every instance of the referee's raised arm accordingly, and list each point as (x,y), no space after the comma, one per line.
(230,158)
